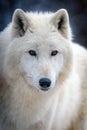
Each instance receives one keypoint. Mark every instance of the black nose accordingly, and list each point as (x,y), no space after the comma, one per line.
(45,83)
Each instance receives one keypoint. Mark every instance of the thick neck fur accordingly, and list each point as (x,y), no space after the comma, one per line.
(23,110)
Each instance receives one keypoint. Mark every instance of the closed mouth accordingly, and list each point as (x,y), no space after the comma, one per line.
(44,89)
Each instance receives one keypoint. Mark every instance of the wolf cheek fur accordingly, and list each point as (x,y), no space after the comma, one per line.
(43,83)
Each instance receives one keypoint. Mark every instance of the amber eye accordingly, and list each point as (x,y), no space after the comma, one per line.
(54,53)
(32,53)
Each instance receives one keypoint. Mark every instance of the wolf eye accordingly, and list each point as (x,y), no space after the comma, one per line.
(32,53)
(54,53)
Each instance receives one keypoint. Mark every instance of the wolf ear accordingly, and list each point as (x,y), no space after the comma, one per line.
(19,23)
(61,22)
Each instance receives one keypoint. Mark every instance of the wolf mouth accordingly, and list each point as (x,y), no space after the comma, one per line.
(45,89)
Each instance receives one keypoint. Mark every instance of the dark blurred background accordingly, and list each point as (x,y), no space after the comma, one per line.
(77,11)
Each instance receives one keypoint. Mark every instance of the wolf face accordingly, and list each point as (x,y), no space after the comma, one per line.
(39,64)
(40,48)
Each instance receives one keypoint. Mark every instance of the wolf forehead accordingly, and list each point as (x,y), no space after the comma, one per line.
(42,22)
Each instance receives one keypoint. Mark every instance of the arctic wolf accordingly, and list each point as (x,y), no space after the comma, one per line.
(43,75)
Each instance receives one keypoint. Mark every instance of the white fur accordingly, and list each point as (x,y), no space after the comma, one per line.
(27,107)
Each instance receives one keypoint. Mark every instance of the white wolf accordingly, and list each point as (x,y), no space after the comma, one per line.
(43,75)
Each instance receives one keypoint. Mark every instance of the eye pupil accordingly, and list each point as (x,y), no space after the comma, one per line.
(53,53)
(32,53)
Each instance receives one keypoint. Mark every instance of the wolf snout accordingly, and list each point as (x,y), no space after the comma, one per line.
(44,83)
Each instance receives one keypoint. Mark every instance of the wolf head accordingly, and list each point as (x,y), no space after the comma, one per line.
(40,49)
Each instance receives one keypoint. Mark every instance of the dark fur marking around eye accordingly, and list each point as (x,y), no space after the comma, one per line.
(54,53)
(32,53)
